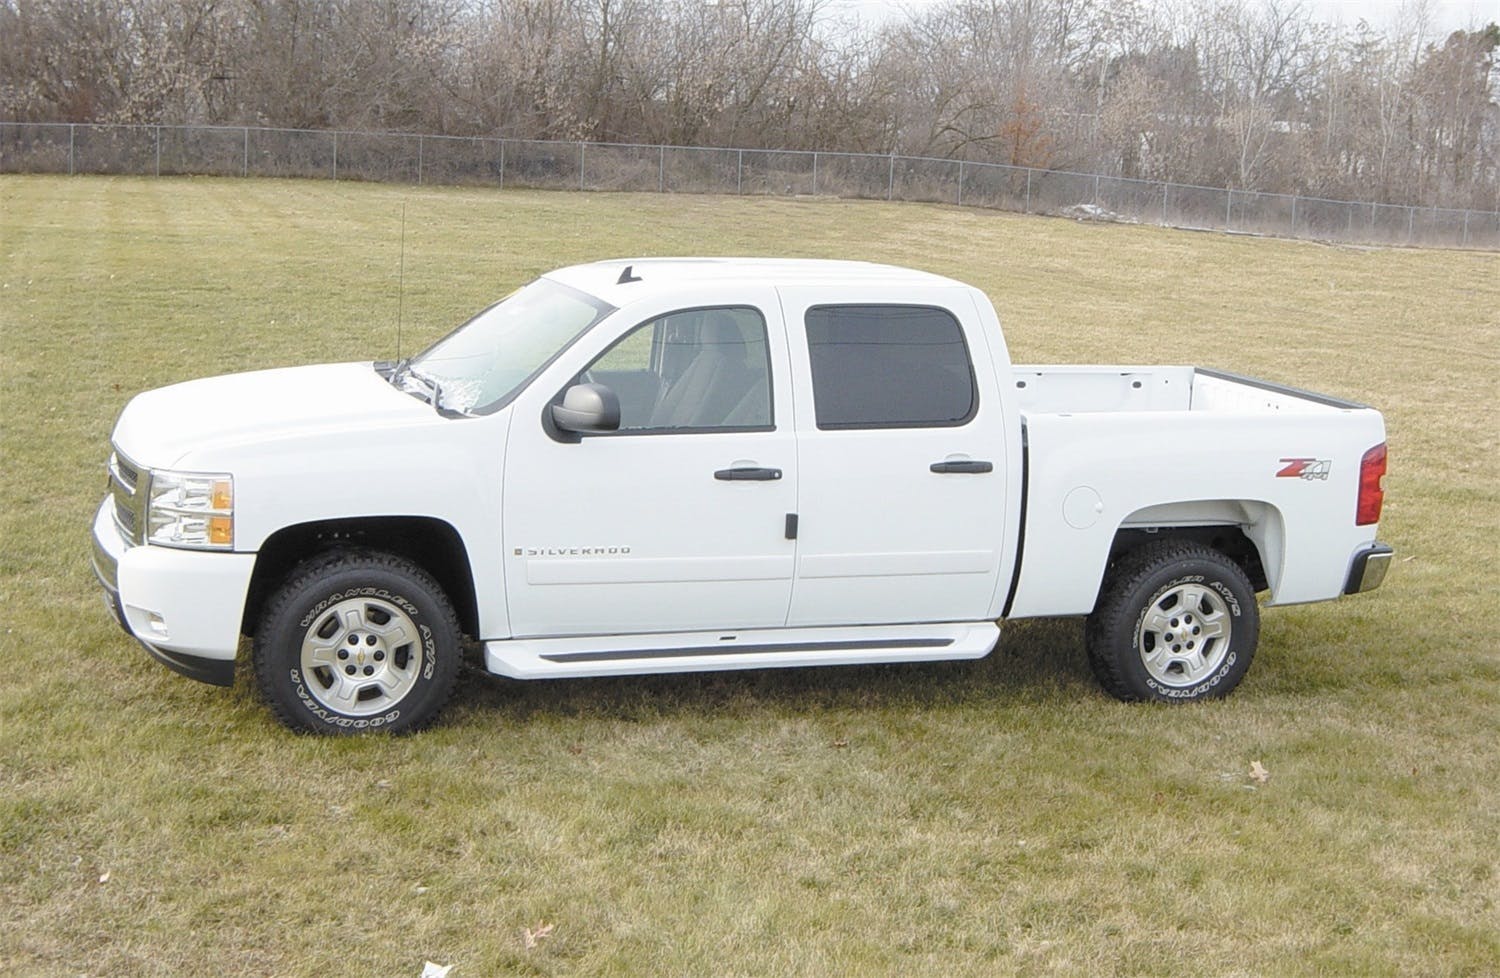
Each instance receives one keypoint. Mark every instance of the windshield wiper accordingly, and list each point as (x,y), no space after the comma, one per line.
(426,386)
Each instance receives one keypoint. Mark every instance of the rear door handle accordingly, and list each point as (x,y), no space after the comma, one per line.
(748,474)
(967,465)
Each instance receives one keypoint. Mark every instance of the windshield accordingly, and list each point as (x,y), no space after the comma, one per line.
(480,366)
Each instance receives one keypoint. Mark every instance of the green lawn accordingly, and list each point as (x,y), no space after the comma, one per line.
(991,818)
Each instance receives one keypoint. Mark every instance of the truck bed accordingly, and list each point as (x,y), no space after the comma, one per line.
(1133,448)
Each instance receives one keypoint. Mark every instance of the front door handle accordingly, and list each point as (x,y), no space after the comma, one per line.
(748,474)
(966,465)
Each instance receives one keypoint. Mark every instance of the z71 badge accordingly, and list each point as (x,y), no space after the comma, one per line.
(1305,468)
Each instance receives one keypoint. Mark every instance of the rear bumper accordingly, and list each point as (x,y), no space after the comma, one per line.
(183,606)
(1367,572)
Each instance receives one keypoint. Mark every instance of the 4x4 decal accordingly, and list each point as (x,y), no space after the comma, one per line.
(1305,468)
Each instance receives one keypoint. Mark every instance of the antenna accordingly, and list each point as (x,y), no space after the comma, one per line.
(401,282)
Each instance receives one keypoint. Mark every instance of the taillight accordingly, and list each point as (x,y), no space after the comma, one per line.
(1371,495)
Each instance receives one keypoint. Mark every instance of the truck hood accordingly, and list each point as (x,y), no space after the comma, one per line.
(162,427)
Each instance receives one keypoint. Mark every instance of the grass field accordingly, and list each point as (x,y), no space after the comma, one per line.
(991,818)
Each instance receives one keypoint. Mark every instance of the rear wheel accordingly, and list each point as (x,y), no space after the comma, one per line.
(356,641)
(1175,621)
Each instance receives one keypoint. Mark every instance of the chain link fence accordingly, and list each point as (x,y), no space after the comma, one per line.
(421,159)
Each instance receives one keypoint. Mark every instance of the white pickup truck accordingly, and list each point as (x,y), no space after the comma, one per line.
(690,464)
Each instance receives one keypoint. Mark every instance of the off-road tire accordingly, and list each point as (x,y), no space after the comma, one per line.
(355,641)
(1175,622)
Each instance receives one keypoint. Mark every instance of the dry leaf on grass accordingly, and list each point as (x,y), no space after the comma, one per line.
(535,936)
(430,970)
(104,878)
(1259,773)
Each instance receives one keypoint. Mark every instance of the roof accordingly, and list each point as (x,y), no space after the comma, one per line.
(659,275)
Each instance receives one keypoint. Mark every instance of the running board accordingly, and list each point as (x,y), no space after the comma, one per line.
(769,648)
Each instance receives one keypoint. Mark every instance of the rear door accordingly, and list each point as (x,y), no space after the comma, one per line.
(901,446)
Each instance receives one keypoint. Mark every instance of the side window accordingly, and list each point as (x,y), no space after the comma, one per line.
(695,369)
(889,367)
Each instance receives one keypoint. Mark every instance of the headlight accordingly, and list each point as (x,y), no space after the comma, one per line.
(191,509)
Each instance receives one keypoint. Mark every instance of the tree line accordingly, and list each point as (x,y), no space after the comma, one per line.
(1234,93)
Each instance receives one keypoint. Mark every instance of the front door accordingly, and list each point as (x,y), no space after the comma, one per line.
(678,521)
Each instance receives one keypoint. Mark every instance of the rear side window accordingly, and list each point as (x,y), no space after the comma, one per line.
(889,367)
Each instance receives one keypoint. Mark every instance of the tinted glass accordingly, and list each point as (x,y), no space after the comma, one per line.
(888,366)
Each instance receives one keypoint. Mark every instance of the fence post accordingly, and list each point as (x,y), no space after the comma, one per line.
(1294,216)
(582,146)
(72,129)
(739,173)
(1228,206)
(1096,190)
(1410,214)
(815,173)
(890,185)
(1166,188)
(335,154)
(158,151)
(419,159)
(661,171)
(502,164)
(1466,227)
(960,183)
(245,158)
(1028,191)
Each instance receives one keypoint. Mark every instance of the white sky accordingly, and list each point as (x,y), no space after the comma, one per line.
(1444,16)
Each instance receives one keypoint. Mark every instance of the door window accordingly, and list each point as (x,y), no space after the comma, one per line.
(889,367)
(691,370)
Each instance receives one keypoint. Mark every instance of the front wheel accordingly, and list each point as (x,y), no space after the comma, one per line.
(357,641)
(1175,621)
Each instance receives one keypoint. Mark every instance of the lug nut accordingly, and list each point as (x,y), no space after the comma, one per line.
(349,670)
(369,670)
(369,639)
(380,656)
(343,653)
(353,639)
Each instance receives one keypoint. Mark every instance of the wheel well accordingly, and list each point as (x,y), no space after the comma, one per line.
(1228,540)
(431,544)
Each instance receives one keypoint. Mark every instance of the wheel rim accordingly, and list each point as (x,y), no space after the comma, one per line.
(361,656)
(1184,635)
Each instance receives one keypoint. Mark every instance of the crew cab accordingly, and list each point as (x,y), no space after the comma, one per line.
(664,465)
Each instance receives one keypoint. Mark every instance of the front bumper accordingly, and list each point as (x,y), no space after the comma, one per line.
(184,606)
(1368,569)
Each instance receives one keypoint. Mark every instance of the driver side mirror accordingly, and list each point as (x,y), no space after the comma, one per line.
(586,408)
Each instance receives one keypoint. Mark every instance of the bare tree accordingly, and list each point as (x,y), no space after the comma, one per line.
(1253,94)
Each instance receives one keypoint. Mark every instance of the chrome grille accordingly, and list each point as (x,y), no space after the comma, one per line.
(126,518)
(129,489)
(128,474)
